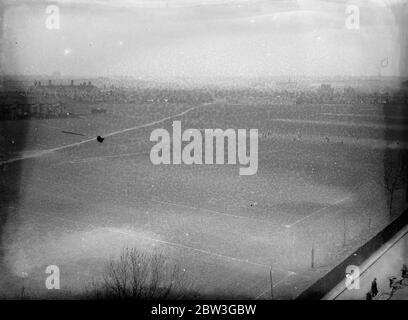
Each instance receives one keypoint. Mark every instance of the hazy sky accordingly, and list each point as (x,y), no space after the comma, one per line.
(189,38)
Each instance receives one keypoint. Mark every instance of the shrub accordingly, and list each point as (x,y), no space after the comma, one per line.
(140,275)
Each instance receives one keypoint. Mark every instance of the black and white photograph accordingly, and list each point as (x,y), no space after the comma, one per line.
(204,150)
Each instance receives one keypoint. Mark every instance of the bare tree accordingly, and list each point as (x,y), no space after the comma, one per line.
(395,173)
(140,275)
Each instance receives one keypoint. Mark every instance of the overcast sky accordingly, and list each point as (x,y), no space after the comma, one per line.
(207,38)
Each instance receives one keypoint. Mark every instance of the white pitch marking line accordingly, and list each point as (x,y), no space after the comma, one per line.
(75,144)
(205,252)
(178,245)
(101,158)
(362,115)
(203,209)
(343,123)
(316,212)
(327,207)
(174,244)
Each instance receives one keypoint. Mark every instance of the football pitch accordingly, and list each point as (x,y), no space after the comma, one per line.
(317,195)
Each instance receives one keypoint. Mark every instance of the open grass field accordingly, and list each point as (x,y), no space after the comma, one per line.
(79,202)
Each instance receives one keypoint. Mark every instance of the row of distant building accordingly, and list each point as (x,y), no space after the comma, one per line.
(48,100)
(43,100)
(74,89)
(326,94)
(25,105)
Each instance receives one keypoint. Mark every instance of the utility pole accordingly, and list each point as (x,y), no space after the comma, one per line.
(270,276)
(344,230)
(291,243)
(313,257)
(369,224)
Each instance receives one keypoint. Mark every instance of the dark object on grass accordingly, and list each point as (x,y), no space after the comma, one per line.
(100,139)
(98,110)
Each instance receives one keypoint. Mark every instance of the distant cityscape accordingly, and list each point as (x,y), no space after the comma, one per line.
(51,98)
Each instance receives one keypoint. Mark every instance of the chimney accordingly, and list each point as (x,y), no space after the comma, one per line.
(49,83)
(72,83)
